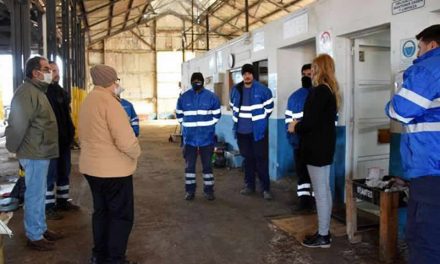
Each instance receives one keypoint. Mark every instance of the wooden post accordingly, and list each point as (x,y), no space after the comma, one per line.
(351,212)
(389,202)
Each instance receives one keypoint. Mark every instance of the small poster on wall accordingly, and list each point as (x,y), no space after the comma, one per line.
(258,41)
(408,48)
(325,43)
(273,84)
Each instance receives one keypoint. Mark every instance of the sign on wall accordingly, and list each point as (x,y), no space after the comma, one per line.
(401,6)
(325,43)
(296,26)
(408,52)
(258,42)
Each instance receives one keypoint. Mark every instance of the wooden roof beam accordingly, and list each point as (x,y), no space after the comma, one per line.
(127,14)
(228,20)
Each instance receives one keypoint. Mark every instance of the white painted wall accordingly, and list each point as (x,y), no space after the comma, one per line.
(344,19)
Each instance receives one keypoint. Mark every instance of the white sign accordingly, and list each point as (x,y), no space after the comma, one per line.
(408,53)
(273,84)
(325,43)
(401,6)
(212,64)
(219,60)
(258,41)
(296,26)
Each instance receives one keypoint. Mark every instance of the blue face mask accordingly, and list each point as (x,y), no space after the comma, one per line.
(197,86)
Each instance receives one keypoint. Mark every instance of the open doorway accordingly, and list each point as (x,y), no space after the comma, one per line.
(371,89)
(290,60)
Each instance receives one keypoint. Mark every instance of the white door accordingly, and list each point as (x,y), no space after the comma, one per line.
(372,80)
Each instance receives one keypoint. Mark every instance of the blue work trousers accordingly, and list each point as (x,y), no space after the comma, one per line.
(190,154)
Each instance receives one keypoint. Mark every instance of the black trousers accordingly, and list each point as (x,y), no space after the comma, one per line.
(256,160)
(113,216)
(304,187)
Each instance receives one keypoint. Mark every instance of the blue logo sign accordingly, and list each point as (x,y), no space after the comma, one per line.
(409,48)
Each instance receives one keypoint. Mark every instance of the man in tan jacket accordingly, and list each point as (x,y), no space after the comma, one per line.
(108,159)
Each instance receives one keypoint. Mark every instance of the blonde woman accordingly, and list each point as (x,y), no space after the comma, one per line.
(318,137)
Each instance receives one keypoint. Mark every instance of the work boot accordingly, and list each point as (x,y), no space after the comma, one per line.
(52,214)
(247,191)
(41,245)
(52,235)
(189,196)
(65,205)
(210,196)
(267,195)
(305,205)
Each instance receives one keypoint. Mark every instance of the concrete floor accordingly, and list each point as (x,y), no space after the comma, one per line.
(232,229)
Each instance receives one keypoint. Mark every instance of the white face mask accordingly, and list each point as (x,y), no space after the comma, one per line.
(119,90)
(47,78)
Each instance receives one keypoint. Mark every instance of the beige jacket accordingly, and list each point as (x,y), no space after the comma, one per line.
(109,147)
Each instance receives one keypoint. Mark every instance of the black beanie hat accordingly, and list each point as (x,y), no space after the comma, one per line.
(197,76)
(247,68)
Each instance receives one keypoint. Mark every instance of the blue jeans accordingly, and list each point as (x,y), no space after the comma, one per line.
(59,172)
(34,197)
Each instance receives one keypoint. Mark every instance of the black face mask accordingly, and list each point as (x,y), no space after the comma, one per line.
(197,86)
(306,82)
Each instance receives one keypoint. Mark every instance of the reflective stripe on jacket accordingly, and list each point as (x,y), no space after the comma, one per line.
(417,106)
(261,107)
(198,112)
(294,111)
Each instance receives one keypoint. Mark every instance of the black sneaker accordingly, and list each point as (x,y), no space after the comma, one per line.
(210,196)
(317,241)
(189,196)
(316,234)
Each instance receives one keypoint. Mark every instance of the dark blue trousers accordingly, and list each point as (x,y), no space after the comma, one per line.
(256,160)
(423,226)
(304,187)
(58,174)
(190,154)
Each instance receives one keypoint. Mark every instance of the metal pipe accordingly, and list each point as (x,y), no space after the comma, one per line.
(207,30)
(66,46)
(51,30)
(155,99)
(20,38)
(192,25)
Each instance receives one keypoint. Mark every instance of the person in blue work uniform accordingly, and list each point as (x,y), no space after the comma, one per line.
(252,104)
(198,110)
(416,106)
(294,111)
(128,107)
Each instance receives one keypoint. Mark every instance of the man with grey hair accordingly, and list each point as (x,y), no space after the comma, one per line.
(32,133)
